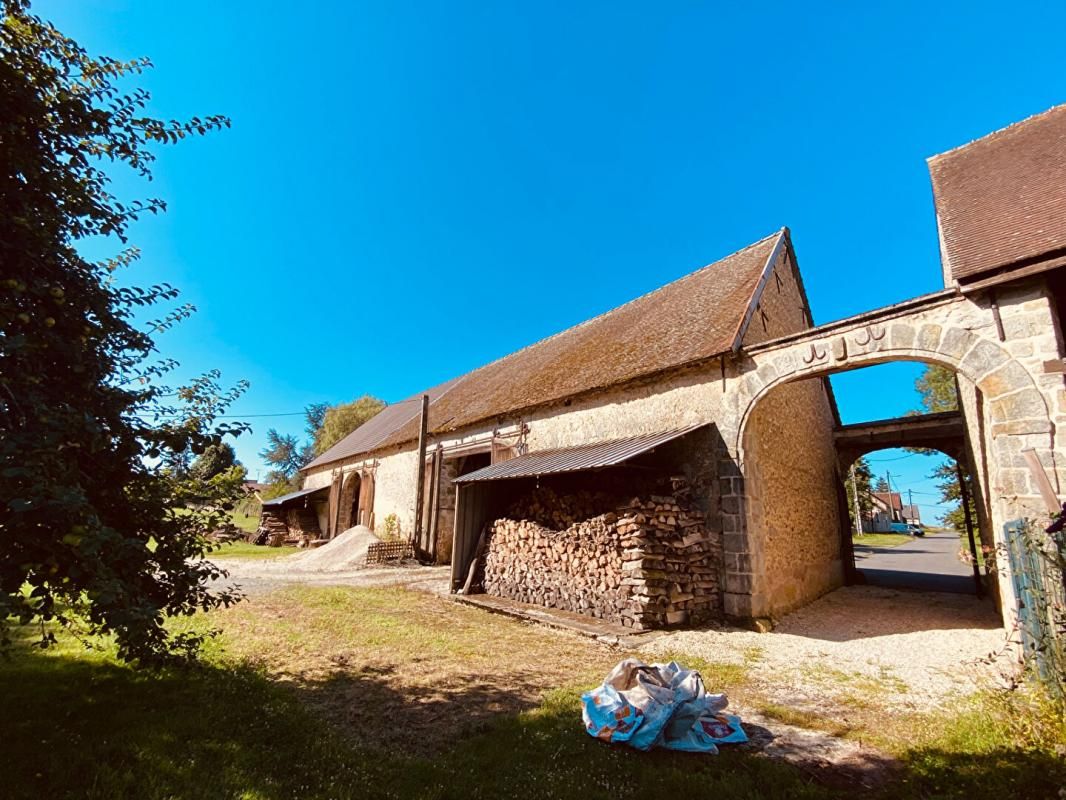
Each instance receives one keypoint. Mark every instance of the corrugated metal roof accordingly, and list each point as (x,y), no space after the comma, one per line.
(575,459)
(1001,200)
(277,501)
(376,430)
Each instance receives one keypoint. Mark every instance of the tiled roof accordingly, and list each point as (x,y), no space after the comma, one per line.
(885,498)
(1001,200)
(695,318)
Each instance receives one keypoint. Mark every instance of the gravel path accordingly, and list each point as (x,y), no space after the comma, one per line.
(862,644)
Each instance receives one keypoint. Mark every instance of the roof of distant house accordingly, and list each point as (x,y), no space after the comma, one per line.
(1001,200)
(883,499)
(693,319)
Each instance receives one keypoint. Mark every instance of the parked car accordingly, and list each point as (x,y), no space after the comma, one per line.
(916,529)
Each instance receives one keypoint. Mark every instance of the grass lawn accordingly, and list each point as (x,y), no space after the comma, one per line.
(240,549)
(882,539)
(244,521)
(353,693)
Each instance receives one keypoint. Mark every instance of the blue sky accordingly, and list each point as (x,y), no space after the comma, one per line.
(410,190)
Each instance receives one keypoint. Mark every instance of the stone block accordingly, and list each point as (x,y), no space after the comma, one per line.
(956,342)
(902,336)
(736,606)
(738,582)
(1008,378)
(1026,404)
(1021,427)
(928,338)
(983,357)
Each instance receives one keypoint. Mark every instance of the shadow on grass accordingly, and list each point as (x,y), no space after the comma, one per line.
(76,727)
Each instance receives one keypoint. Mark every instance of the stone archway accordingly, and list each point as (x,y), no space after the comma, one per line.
(1000,391)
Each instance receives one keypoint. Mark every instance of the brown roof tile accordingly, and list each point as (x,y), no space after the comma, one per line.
(1001,200)
(692,319)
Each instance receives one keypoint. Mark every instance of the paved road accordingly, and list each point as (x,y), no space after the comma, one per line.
(930,563)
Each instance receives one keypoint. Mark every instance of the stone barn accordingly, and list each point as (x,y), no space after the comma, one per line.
(680,457)
(601,445)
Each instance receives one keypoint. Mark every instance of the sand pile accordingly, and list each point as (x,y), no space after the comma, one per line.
(347,551)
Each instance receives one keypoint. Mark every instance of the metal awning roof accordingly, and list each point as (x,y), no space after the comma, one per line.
(277,501)
(575,459)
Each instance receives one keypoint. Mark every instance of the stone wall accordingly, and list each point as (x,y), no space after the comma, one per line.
(649,564)
(793,515)
(1023,407)
(782,307)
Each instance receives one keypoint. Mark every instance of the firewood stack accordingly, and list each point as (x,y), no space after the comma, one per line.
(272,530)
(651,563)
(557,511)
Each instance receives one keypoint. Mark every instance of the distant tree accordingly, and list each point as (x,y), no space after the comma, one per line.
(340,420)
(859,487)
(285,455)
(936,386)
(939,392)
(881,486)
(215,459)
(325,425)
(315,415)
(93,449)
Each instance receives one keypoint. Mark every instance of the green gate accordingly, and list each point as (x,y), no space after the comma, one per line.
(1036,563)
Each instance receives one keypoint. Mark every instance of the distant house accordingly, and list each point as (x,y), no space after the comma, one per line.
(888,507)
(252,486)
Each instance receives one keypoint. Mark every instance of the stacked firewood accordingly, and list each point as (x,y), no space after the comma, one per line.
(557,511)
(650,563)
(302,523)
(272,530)
(671,563)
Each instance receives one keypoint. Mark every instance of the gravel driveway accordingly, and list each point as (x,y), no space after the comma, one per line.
(863,644)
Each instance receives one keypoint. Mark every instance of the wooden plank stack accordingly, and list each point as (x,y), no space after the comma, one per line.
(650,563)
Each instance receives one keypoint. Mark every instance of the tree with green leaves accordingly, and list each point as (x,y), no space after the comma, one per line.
(93,526)
(340,420)
(214,460)
(936,386)
(325,425)
(939,392)
(286,457)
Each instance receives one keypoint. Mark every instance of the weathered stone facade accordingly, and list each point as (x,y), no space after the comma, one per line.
(1022,406)
(791,482)
(772,494)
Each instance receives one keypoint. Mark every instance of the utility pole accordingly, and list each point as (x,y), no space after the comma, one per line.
(891,505)
(910,500)
(855,498)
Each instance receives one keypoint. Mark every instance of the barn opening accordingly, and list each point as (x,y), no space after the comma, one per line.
(798,455)
(444,466)
(625,531)
(898,537)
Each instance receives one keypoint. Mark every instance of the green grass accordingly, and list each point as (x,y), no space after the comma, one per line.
(882,539)
(326,693)
(239,549)
(247,523)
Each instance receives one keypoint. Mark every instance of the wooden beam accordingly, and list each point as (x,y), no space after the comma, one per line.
(420,480)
